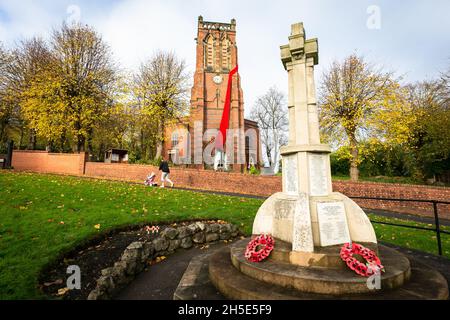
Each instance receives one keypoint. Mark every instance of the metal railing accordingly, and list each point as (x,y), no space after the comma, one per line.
(437,227)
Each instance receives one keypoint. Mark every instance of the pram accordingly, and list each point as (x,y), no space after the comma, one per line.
(150,181)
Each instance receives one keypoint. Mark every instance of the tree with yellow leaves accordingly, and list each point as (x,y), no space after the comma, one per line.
(160,95)
(355,97)
(72,92)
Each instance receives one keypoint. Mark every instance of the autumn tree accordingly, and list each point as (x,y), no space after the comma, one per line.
(71,93)
(350,93)
(5,106)
(115,128)
(430,132)
(160,96)
(31,60)
(270,111)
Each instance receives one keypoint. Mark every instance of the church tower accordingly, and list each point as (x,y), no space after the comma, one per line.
(216,57)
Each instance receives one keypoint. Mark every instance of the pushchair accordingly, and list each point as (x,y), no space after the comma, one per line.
(150,181)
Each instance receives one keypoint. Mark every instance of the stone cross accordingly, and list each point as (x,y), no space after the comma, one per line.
(299,58)
(306,158)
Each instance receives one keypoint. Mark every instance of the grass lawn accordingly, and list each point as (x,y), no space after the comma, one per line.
(42,216)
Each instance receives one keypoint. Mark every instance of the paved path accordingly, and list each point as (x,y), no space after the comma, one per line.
(160,280)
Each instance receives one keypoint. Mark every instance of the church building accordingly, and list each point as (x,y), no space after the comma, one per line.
(216,57)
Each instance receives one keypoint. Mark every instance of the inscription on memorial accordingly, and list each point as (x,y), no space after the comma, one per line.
(318,179)
(302,238)
(290,174)
(333,226)
(284,209)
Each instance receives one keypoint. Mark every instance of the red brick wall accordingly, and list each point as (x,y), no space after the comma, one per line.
(42,161)
(396,191)
(267,185)
(190,178)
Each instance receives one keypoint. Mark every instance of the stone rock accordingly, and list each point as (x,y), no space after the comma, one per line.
(215,227)
(174,245)
(169,233)
(225,228)
(135,245)
(97,294)
(200,225)
(210,237)
(132,252)
(199,237)
(186,243)
(193,228)
(131,267)
(119,273)
(147,251)
(225,236)
(160,244)
(105,283)
(184,232)
(107,272)
(120,267)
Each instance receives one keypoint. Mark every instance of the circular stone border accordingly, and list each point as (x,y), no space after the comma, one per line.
(137,255)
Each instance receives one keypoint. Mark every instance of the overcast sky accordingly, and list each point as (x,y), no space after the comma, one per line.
(410,37)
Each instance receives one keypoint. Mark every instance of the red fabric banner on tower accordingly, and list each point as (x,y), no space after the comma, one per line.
(224,123)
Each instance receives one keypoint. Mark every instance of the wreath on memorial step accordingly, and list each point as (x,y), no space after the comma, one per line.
(373,263)
(259,248)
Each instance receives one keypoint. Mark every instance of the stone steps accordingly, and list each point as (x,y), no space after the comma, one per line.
(233,283)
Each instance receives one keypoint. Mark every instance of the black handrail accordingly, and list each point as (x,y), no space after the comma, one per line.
(436,228)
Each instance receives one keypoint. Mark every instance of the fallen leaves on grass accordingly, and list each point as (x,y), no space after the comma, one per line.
(63,291)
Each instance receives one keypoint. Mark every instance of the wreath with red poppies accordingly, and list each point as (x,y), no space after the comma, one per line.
(373,264)
(259,248)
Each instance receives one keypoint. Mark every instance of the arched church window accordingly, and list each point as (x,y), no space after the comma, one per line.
(226,54)
(209,54)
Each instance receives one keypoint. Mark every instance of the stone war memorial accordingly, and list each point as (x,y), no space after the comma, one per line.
(309,225)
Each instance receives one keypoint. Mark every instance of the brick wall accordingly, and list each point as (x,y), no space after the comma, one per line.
(396,191)
(42,161)
(191,178)
(267,185)
(74,164)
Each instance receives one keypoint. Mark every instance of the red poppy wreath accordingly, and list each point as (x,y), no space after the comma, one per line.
(373,263)
(259,248)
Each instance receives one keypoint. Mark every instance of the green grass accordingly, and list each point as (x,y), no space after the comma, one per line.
(33,207)
(411,238)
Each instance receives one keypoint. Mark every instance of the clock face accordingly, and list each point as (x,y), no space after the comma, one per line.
(217,79)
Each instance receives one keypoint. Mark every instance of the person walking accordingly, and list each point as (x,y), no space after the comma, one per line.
(165,172)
